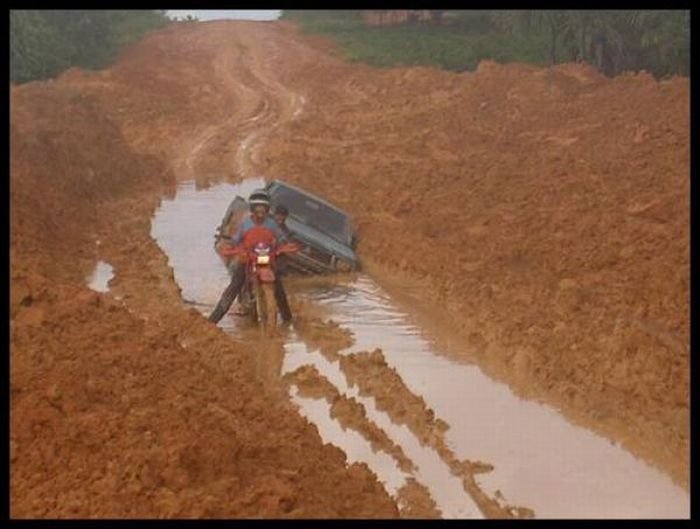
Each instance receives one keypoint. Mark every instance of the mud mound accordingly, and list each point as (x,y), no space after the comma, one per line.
(67,158)
(415,501)
(327,336)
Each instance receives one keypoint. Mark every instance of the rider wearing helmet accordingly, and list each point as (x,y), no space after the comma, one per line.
(259,227)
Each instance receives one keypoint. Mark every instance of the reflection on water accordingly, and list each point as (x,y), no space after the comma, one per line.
(540,460)
(100,277)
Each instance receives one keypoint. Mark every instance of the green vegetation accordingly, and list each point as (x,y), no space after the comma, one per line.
(43,43)
(612,40)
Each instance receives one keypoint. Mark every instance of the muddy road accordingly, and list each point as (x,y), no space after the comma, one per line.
(525,232)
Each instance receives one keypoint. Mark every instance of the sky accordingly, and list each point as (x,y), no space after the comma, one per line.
(212,14)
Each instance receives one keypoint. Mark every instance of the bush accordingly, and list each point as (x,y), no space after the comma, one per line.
(45,43)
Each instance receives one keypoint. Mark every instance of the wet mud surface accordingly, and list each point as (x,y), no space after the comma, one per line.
(402,391)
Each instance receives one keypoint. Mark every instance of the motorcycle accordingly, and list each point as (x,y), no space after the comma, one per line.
(257,296)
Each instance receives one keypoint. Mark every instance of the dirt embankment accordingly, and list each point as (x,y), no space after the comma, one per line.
(115,414)
(545,210)
(127,405)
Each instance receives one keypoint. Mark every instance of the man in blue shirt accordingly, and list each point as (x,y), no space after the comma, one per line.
(259,218)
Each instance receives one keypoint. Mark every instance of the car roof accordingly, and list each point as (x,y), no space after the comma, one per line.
(305,192)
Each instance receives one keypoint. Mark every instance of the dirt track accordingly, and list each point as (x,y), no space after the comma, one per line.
(547,209)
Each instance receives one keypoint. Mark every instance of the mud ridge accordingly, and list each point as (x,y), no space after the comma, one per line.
(415,501)
(374,378)
(349,413)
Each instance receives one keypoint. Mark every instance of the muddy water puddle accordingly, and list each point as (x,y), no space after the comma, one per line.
(408,412)
(184,228)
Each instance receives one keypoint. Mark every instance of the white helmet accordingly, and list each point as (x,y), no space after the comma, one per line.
(258,197)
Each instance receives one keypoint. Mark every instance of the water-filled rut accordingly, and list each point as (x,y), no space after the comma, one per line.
(443,438)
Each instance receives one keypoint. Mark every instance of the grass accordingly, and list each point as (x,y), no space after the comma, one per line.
(459,46)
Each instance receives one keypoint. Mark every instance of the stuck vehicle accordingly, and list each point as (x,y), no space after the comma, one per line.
(325,233)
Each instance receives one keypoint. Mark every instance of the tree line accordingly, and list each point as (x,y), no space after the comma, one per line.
(43,43)
(612,40)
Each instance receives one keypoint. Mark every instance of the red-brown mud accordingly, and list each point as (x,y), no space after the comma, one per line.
(543,212)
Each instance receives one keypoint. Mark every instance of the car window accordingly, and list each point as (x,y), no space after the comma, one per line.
(311,212)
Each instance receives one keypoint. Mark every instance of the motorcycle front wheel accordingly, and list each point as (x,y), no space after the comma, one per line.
(266,306)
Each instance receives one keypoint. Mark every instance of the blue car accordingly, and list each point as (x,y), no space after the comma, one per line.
(326,234)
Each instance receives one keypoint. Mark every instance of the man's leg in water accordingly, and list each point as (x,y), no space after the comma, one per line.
(282,303)
(232,290)
(280,294)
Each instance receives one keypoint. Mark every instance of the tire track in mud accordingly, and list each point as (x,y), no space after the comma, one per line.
(263,105)
(283,106)
(240,119)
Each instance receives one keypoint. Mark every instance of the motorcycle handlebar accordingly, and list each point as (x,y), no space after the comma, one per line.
(291,247)
(231,251)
